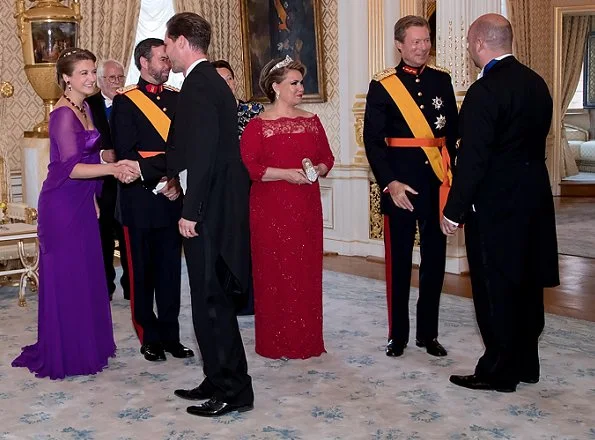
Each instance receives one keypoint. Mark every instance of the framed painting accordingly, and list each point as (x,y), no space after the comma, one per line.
(277,28)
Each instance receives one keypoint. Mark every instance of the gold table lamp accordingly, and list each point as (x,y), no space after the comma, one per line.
(45,30)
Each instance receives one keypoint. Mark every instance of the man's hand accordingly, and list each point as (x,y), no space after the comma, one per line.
(127,171)
(187,228)
(108,156)
(398,192)
(448,228)
(171,190)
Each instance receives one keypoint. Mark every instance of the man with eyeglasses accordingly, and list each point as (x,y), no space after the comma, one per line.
(149,209)
(110,77)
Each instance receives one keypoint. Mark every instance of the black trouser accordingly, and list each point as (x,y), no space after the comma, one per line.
(109,230)
(400,240)
(156,258)
(510,313)
(216,325)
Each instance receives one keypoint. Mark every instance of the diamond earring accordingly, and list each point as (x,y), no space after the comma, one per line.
(69,86)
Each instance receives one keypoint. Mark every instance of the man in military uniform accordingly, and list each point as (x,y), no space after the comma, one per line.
(150,209)
(410,126)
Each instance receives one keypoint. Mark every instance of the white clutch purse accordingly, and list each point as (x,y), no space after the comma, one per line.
(309,169)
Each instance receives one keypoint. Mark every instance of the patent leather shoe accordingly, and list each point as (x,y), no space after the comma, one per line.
(433,347)
(216,408)
(177,350)
(474,382)
(532,379)
(199,393)
(153,352)
(394,349)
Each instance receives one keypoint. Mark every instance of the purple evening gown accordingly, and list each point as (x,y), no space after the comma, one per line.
(75,334)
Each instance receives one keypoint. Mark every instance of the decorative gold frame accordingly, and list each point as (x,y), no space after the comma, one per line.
(561,8)
(251,77)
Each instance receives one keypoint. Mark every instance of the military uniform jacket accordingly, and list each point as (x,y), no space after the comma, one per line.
(501,177)
(132,132)
(432,90)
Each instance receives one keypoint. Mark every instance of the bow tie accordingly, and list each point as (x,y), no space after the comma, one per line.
(152,88)
(107,102)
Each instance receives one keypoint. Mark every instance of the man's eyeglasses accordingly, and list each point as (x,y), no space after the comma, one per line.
(115,78)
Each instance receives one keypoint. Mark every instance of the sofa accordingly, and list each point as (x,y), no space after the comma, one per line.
(582,147)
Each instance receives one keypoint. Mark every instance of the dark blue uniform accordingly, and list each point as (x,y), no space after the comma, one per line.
(150,221)
(432,90)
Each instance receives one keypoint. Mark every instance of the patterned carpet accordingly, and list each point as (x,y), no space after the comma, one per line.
(575,223)
(352,392)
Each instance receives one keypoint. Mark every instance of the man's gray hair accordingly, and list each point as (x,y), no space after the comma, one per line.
(101,66)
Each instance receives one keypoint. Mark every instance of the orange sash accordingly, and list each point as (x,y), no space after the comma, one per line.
(439,159)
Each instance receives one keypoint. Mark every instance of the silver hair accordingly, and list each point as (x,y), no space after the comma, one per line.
(101,66)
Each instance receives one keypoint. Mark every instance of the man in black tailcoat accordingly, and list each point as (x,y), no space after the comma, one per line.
(110,77)
(203,149)
(501,192)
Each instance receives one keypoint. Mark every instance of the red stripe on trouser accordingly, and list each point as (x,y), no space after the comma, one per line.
(388,265)
(137,326)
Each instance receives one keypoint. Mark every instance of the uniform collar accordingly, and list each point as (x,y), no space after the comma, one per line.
(403,67)
(155,89)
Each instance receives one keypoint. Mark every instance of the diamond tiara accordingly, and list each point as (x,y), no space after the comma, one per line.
(282,63)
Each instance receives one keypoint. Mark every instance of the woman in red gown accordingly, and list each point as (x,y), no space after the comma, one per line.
(286,216)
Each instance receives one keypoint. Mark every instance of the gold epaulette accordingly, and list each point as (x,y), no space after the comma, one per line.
(124,90)
(438,68)
(172,88)
(383,74)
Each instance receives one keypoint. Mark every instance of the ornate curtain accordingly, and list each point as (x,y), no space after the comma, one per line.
(226,40)
(520,18)
(108,28)
(575,30)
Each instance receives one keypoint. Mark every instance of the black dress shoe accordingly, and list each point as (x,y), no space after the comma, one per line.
(153,352)
(177,350)
(433,347)
(216,408)
(476,383)
(529,379)
(393,349)
(198,393)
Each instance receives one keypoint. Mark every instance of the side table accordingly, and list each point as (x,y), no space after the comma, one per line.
(19,232)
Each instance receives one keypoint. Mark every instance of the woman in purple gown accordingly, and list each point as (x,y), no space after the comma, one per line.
(75,334)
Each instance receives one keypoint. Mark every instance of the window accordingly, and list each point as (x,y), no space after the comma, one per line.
(151,24)
(577,99)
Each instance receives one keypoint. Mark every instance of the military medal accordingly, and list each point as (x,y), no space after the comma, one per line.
(437,103)
(440,122)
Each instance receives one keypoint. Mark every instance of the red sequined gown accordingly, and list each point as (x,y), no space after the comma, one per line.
(286,236)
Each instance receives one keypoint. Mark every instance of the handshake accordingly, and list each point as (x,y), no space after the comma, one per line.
(126,171)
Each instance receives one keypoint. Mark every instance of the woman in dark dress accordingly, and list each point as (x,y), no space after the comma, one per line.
(75,333)
(246,111)
(286,216)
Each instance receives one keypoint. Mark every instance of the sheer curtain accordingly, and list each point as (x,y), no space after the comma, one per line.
(151,24)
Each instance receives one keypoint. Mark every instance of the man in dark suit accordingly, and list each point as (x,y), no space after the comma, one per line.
(110,77)
(410,121)
(203,145)
(501,191)
(149,209)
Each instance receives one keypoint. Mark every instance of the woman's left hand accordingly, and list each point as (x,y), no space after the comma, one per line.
(321,169)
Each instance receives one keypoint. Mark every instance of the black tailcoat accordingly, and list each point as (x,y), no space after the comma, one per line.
(432,91)
(204,141)
(501,191)
(109,227)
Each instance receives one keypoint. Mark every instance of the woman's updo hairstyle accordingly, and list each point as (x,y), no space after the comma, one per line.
(275,71)
(68,59)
